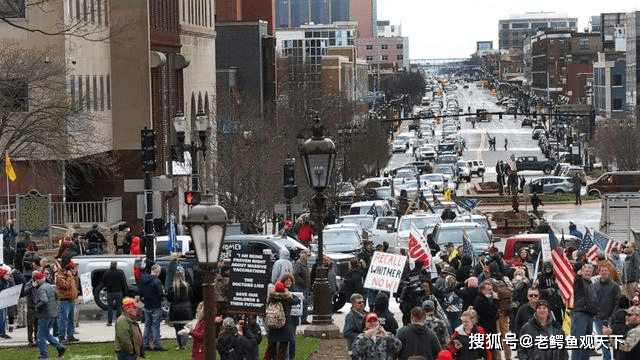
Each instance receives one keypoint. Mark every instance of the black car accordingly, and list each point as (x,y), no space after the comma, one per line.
(423,166)
(527,122)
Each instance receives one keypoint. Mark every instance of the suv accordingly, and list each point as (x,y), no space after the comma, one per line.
(342,238)
(551,185)
(476,167)
(617,181)
(420,220)
(464,172)
(381,208)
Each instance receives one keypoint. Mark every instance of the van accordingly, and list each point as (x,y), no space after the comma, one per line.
(617,181)
(381,208)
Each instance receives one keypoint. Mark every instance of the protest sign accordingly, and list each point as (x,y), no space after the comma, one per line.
(296,309)
(87,289)
(10,296)
(250,275)
(385,271)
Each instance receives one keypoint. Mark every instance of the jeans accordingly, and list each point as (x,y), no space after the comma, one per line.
(45,325)
(152,319)
(114,302)
(606,350)
(581,325)
(3,321)
(126,356)
(66,324)
(292,344)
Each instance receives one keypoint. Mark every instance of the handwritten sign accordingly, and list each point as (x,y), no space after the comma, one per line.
(87,289)
(10,296)
(296,309)
(385,271)
(248,283)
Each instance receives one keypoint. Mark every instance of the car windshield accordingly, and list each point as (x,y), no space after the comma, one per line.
(454,235)
(383,192)
(432,178)
(419,222)
(364,222)
(344,237)
(443,170)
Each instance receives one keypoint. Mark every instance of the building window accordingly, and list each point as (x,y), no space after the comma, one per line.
(369,47)
(369,58)
(93,12)
(384,57)
(584,44)
(80,98)
(616,80)
(108,93)
(616,104)
(106,12)
(399,46)
(12,9)
(384,46)
(102,92)
(88,92)
(399,57)
(14,93)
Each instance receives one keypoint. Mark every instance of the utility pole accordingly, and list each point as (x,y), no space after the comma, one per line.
(148,166)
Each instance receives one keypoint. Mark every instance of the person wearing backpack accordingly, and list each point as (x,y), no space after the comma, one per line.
(505,289)
(280,332)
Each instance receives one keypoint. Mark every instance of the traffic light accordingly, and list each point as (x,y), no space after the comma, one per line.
(192,197)
(148,150)
(290,187)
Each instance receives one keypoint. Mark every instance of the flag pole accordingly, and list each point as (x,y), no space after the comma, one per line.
(6,156)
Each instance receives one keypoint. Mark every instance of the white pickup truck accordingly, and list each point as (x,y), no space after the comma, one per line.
(385,228)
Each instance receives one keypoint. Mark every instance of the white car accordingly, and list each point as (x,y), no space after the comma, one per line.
(420,221)
(399,145)
(438,182)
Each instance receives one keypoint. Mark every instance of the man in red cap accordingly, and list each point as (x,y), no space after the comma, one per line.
(67,285)
(128,342)
(47,313)
(287,230)
(6,281)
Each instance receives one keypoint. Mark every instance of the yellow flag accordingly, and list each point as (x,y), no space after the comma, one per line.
(8,168)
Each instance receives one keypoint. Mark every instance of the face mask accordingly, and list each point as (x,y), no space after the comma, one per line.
(488,296)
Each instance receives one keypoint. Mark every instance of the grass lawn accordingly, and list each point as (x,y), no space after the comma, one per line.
(97,351)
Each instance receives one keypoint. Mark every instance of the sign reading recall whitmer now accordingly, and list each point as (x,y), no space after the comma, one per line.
(248,283)
(385,271)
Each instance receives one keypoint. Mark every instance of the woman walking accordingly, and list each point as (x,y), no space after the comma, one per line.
(180,310)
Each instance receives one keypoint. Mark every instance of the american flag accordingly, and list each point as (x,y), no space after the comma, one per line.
(563,270)
(469,250)
(606,243)
(589,247)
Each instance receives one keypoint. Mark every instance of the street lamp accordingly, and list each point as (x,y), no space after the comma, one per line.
(202,126)
(207,223)
(318,155)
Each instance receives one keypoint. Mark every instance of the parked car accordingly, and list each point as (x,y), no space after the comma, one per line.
(384,229)
(514,244)
(616,181)
(537,133)
(399,145)
(464,172)
(381,207)
(365,222)
(419,220)
(453,232)
(343,237)
(424,167)
(439,182)
(551,185)
(476,167)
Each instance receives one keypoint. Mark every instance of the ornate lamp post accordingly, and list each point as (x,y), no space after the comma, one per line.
(318,155)
(202,125)
(207,223)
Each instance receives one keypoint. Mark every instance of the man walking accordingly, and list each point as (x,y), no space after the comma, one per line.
(585,306)
(526,311)
(47,313)
(115,283)
(152,295)
(630,269)
(535,202)
(128,343)
(577,185)
(608,296)
(303,281)
(67,285)
(435,323)
(417,339)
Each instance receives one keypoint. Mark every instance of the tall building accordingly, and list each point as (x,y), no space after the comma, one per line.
(293,13)
(633,54)
(384,28)
(365,12)
(513,31)
(248,10)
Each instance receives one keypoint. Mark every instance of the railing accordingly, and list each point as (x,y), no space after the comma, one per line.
(107,211)
(7,212)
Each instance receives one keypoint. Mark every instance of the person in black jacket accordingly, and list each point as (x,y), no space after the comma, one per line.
(180,294)
(386,318)
(541,325)
(487,306)
(585,307)
(354,279)
(115,283)
(417,339)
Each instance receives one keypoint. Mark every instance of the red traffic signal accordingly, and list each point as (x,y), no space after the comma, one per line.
(191,197)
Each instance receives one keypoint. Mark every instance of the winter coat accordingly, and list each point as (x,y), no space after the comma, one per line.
(535,328)
(353,283)
(46,301)
(439,327)
(281,266)
(381,307)
(197,333)
(151,291)
(233,346)
(114,281)
(128,336)
(305,235)
(67,286)
(376,347)
(487,309)
(418,339)
(465,352)
(631,268)
(468,296)
(135,245)
(585,298)
(180,308)
(608,296)
(301,275)
(353,326)
(285,333)
(524,314)
(629,348)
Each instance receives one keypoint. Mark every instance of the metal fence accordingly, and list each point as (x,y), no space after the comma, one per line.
(107,211)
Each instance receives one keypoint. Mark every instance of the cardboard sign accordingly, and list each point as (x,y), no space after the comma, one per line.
(546,249)
(87,289)
(250,275)
(385,271)
(296,309)
(10,296)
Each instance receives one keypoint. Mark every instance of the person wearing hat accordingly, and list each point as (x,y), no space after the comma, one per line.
(116,285)
(375,342)
(629,345)
(279,339)
(541,326)
(128,342)
(448,215)
(96,240)
(6,281)
(234,342)
(417,338)
(282,266)
(303,281)
(67,285)
(433,322)
(47,313)
(287,230)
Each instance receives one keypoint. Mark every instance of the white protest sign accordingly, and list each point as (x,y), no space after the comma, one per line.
(545,246)
(10,296)
(87,289)
(296,309)
(385,271)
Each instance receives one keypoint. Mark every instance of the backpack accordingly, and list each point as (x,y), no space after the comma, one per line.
(275,318)
(505,294)
(27,260)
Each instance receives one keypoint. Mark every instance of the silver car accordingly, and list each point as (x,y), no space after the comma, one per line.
(551,185)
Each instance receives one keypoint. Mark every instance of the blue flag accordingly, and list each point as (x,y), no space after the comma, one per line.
(373,211)
(468,203)
(173,245)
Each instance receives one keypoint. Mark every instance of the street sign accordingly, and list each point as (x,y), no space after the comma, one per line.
(281,209)
(157,184)
(157,209)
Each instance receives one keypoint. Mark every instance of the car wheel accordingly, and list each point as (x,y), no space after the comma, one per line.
(547,170)
(480,173)
(594,193)
(558,192)
(100,296)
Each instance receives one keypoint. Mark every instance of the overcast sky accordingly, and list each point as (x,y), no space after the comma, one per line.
(450,28)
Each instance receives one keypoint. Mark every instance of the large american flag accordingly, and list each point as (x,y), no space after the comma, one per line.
(589,247)
(606,243)
(469,250)
(563,270)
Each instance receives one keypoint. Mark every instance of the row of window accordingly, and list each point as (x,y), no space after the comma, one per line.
(198,12)
(384,57)
(90,92)
(12,9)
(94,11)
(384,46)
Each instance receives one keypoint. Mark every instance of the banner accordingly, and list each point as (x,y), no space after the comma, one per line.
(250,275)
(385,271)
(10,296)
(87,289)
(419,250)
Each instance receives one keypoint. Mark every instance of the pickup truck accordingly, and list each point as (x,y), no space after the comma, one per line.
(532,163)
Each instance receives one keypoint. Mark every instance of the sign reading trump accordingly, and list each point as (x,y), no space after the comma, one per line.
(385,271)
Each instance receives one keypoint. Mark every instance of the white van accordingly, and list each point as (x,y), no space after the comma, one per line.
(381,207)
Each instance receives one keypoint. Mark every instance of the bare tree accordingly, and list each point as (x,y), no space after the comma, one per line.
(616,144)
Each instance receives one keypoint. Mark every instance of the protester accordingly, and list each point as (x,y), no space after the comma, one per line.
(281,266)
(67,286)
(460,343)
(6,281)
(279,338)
(487,305)
(221,286)
(526,310)
(375,343)
(96,240)
(630,269)
(354,321)
(541,326)
(197,333)
(303,282)
(386,317)
(152,296)
(608,297)
(47,312)
(30,290)
(452,302)
(179,295)
(628,346)
(233,342)
(535,203)
(434,323)
(115,284)
(287,230)
(585,307)
(417,338)
(128,341)
(289,281)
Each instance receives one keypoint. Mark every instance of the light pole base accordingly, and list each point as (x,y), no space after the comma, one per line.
(329,331)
